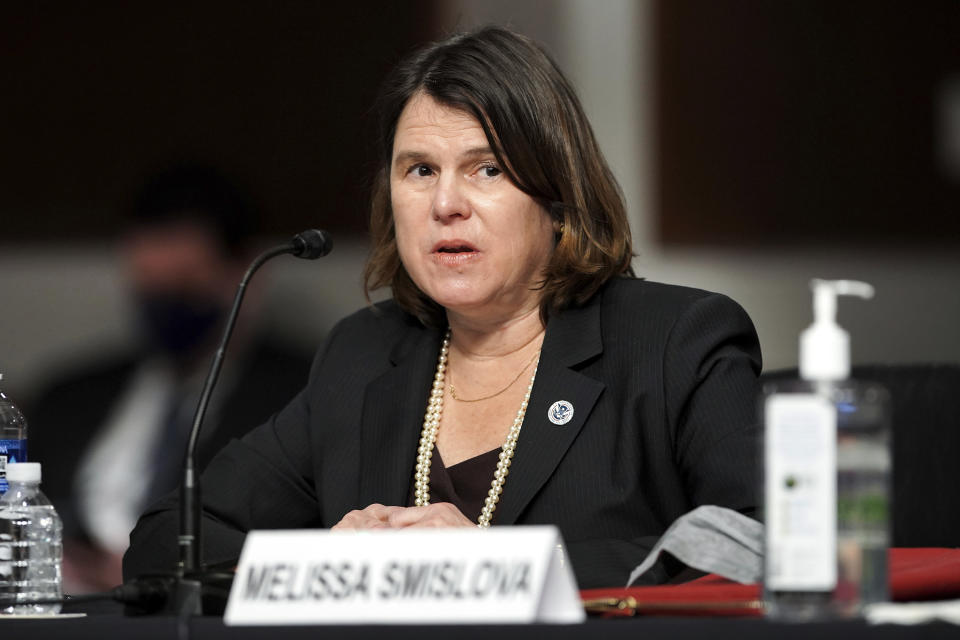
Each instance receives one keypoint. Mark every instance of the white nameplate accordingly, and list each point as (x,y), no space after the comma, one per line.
(469,575)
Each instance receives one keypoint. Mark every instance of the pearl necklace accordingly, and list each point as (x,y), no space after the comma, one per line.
(428,439)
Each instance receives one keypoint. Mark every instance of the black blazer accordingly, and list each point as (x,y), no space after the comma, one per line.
(663,384)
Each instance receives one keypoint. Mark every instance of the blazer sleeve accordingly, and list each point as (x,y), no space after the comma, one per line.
(709,368)
(711,364)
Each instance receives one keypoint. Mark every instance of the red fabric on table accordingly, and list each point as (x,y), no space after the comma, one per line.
(710,595)
(924,574)
(915,574)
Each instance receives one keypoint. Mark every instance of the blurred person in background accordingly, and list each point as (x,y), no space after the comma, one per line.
(111,433)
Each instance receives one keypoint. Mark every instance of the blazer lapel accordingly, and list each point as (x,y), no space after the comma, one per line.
(572,338)
(393,409)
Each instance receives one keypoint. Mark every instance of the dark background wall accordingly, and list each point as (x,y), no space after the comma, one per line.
(727,122)
(807,122)
(96,95)
(777,123)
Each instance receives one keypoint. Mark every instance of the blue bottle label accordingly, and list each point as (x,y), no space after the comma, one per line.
(10,451)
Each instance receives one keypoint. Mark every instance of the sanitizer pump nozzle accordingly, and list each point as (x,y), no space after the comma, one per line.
(824,345)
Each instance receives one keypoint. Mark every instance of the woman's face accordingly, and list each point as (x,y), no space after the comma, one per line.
(469,238)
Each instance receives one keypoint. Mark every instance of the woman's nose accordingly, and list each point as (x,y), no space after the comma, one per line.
(450,200)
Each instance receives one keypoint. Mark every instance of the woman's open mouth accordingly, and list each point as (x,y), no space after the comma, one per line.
(453,253)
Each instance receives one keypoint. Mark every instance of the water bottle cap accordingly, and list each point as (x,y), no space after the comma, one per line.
(23,472)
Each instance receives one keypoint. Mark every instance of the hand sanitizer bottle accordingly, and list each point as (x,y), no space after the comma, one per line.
(827,476)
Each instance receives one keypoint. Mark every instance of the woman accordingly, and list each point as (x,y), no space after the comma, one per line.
(616,405)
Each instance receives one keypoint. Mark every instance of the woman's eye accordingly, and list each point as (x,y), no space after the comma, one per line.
(490,171)
(421,170)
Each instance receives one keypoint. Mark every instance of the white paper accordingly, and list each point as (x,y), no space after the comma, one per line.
(913,612)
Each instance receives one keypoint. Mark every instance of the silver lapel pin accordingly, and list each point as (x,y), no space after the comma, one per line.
(560,412)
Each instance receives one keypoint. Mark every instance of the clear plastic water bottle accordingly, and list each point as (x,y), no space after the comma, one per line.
(31,545)
(13,437)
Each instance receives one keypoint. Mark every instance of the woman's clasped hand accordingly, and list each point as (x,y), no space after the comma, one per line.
(378,516)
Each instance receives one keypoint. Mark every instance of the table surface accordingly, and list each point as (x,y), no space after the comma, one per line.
(106,620)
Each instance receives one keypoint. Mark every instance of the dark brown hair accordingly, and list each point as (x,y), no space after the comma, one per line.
(542,141)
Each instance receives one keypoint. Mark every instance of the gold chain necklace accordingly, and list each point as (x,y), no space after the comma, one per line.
(428,439)
(453,391)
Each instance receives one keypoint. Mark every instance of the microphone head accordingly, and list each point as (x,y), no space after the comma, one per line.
(312,244)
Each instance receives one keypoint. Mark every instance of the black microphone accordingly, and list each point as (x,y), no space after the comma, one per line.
(312,244)
(309,245)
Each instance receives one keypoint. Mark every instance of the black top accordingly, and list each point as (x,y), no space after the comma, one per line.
(464,485)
